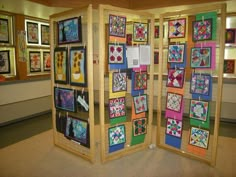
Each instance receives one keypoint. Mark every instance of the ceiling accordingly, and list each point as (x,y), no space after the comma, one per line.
(44,8)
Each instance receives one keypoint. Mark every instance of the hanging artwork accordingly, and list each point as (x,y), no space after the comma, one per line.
(129,39)
(4,31)
(140,32)
(200,84)
(45,35)
(177,28)
(174,101)
(117,26)
(198,110)
(32,32)
(176,53)
(78,66)
(82,98)
(116,53)
(5,66)
(140,103)
(35,61)
(174,127)
(140,80)
(230,35)
(200,57)
(140,126)
(70,31)
(202,30)
(175,78)
(46,61)
(119,82)
(229,66)
(199,137)
(117,107)
(60,65)
(116,135)
(77,130)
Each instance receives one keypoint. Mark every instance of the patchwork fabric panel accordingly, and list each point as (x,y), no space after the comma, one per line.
(140,82)
(140,126)
(140,103)
(200,84)
(116,53)
(119,82)
(201,57)
(140,32)
(117,26)
(176,53)
(177,28)
(174,127)
(199,137)
(175,78)
(117,107)
(202,30)
(198,110)
(229,66)
(174,101)
(116,135)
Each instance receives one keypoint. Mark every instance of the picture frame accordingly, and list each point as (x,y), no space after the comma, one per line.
(200,84)
(5,62)
(4,31)
(64,99)
(117,107)
(46,61)
(229,66)
(140,32)
(140,103)
(199,137)
(175,78)
(117,26)
(61,65)
(139,126)
(77,130)
(119,81)
(230,35)
(176,53)
(201,57)
(116,53)
(174,127)
(140,80)
(117,135)
(35,61)
(177,28)
(82,98)
(32,32)
(70,31)
(45,34)
(202,30)
(199,110)
(78,66)
(174,101)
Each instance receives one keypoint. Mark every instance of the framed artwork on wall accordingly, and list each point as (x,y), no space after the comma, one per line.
(200,57)
(174,127)
(32,32)
(177,28)
(140,80)
(4,31)
(119,81)
(78,66)
(60,65)
(140,32)
(230,34)
(176,53)
(174,101)
(116,135)
(202,30)
(46,61)
(140,103)
(175,78)
(200,84)
(117,26)
(116,53)
(70,31)
(5,67)
(199,110)
(117,107)
(199,137)
(139,126)
(35,61)
(229,66)
(64,99)
(45,34)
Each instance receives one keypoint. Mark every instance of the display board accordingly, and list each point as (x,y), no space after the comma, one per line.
(71,46)
(193,36)
(126,94)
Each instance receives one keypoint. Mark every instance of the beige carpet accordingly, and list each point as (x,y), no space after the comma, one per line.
(38,157)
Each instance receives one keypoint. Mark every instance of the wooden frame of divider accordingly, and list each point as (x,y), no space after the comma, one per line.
(59,138)
(105,156)
(193,11)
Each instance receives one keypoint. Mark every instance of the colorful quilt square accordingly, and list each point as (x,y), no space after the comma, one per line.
(140,103)
(174,127)
(200,84)
(230,36)
(198,110)
(140,32)
(117,107)
(176,53)
(117,26)
(200,57)
(140,126)
(229,66)
(116,53)
(175,78)
(174,101)
(199,137)
(202,30)
(119,82)
(177,28)
(140,81)
(116,135)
